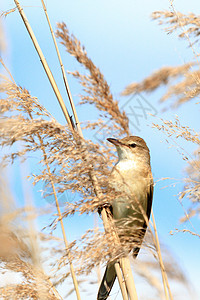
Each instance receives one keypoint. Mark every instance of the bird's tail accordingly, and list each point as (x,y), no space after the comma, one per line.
(107,282)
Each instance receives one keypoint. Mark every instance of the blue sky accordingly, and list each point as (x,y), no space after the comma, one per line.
(127,46)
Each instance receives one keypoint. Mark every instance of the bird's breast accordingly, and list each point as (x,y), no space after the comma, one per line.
(131,181)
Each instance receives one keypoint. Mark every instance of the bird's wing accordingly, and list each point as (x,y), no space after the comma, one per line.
(148,213)
(149,198)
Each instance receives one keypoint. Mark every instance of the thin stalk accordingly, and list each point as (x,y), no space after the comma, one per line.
(61,222)
(54,290)
(44,63)
(97,267)
(121,281)
(162,267)
(63,73)
(7,70)
(128,277)
(43,290)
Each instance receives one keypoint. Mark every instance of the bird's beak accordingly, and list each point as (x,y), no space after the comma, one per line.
(114,141)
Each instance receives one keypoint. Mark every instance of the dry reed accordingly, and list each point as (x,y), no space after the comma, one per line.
(65,161)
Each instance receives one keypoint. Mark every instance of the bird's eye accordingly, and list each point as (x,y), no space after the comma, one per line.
(133,145)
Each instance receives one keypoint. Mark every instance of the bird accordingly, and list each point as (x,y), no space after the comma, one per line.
(132,178)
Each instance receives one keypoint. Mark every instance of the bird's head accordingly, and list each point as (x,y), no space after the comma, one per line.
(131,147)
